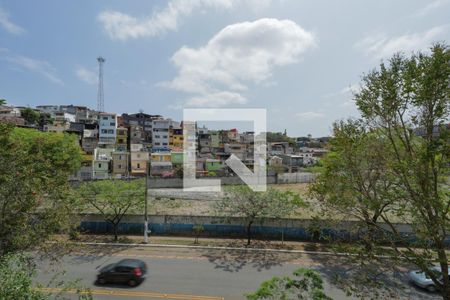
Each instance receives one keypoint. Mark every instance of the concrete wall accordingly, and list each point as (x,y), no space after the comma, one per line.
(301,177)
(293,229)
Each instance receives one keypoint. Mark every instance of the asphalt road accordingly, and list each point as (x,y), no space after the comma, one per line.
(199,274)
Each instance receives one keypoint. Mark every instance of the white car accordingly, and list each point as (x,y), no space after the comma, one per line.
(421,279)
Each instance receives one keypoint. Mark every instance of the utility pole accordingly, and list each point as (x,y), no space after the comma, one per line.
(147,169)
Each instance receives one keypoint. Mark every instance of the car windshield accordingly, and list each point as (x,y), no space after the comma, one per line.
(107,268)
(435,270)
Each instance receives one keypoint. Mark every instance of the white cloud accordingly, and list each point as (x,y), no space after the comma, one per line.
(8,25)
(348,90)
(86,75)
(121,26)
(430,7)
(382,46)
(216,99)
(309,115)
(40,67)
(351,89)
(239,55)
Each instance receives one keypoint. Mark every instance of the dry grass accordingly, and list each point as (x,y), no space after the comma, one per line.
(168,206)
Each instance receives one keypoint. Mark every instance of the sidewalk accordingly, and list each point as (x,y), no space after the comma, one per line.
(202,242)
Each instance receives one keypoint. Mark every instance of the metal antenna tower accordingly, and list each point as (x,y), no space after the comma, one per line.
(100,95)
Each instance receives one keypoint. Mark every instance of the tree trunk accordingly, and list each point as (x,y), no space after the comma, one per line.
(446,292)
(115,228)
(369,238)
(444,269)
(249,232)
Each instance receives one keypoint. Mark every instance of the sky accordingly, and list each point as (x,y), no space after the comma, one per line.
(300,60)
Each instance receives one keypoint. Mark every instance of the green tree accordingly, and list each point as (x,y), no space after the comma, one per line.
(197,229)
(113,198)
(353,179)
(405,108)
(306,284)
(2,102)
(17,273)
(241,201)
(16,277)
(44,119)
(35,197)
(31,117)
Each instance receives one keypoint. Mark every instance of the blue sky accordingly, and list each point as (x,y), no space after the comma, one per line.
(298,59)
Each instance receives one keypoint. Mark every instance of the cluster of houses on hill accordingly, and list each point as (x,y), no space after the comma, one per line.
(129,145)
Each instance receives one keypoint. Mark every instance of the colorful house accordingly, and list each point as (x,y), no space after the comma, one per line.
(161,164)
(176,139)
(102,159)
(176,158)
(138,160)
(120,163)
(121,139)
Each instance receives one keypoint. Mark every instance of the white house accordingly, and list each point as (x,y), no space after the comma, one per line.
(160,135)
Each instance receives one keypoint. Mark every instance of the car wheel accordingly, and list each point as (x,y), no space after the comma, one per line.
(431,288)
(101,280)
(132,282)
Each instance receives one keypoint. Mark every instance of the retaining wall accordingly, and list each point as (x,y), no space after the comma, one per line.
(300,177)
(293,229)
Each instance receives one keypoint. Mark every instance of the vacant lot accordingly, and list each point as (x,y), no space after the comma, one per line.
(176,202)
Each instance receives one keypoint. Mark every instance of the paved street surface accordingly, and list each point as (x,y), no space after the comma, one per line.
(193,274)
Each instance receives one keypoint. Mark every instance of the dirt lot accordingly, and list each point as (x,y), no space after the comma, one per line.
(169,204)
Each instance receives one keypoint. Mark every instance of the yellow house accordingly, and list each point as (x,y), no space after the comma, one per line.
(121,138)
(163,156)
(161,164)
(176,139)
(138,160)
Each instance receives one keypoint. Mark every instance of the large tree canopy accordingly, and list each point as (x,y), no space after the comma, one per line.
(241,201)
(393,165)
(306,284)
(113,198)
(34,191)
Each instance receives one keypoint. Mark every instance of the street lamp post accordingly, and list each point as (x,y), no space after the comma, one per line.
(145,206)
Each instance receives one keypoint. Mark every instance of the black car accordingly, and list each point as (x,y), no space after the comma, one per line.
(128,271)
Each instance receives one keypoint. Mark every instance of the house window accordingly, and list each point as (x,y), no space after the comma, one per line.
(165,136)
(112,124)
(99,165)
(105,118)
(104,131)
(157,136)
(157,144)
(164,144)
(138,165)
(120,166)
(110,131)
